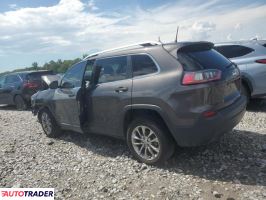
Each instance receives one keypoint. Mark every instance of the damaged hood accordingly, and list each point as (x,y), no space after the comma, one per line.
(48,79)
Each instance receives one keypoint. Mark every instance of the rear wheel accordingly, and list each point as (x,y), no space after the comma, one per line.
(20,103)
(149,142)
(49,125)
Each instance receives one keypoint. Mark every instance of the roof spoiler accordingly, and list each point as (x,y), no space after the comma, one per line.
(195,46)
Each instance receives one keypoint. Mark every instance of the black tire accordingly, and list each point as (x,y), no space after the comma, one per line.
(257,101)
(20,103)
(245,92)
(166,144)
(49,124)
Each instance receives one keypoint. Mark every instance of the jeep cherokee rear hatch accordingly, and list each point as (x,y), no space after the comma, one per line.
(204,65)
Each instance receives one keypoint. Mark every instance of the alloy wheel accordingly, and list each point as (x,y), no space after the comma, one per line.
(145,142)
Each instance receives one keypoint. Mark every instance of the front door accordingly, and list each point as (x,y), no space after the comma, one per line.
(68,97)
(107,100)
(8,86)
(12,84)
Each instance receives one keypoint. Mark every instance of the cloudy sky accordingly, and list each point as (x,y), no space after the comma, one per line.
(42,30)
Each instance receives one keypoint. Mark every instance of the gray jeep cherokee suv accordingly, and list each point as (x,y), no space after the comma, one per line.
(153,95)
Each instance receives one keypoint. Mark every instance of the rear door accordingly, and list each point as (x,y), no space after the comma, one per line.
(68,97)
(108,99)
(144,92)
(256,69)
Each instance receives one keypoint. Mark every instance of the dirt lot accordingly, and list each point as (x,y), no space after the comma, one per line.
(97,167)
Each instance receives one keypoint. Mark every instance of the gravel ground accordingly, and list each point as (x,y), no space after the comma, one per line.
(98,167)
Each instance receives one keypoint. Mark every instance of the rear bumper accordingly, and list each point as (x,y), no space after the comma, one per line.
(207,130)
(259,96)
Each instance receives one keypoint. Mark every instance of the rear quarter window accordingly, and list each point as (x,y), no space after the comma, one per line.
(200,60)
(233,51)
(143,65)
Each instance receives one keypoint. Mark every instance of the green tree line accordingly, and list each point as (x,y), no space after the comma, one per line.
(59,66)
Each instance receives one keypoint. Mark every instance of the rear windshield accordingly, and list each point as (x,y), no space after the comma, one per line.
(199,60)
(233,51)
(36,76)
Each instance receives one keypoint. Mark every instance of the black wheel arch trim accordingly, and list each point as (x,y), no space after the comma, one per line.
(42,107)
(247,81)
(130,108)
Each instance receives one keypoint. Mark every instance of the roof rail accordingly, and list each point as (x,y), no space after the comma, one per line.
(143,44)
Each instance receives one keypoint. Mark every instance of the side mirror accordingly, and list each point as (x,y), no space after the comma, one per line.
(67,85)
(53,85)
(87,77)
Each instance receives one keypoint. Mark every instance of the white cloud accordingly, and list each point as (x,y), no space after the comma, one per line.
(74,26)
(57,40)
(12,6)
(203,26)
(92,6)
(229,37)
(238,26)
(202,30)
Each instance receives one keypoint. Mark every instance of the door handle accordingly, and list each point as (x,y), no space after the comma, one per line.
(71,95)
(121,89)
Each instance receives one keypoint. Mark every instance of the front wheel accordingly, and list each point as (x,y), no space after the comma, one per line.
(149,142)
(49,125)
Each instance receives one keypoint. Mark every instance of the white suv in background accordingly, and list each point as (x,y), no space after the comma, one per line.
(250,56)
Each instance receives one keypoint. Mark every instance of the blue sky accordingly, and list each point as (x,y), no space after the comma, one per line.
(42,30)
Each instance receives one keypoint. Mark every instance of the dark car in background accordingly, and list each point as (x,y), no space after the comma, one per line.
(17,88)
(152,95)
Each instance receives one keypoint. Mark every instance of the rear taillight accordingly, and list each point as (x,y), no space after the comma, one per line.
(261,61)
(202,76)
(209,114)
(30,85)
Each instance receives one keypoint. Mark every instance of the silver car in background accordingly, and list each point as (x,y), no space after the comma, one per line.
(250,56)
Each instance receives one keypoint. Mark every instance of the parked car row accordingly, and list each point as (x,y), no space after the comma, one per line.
(17,88)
